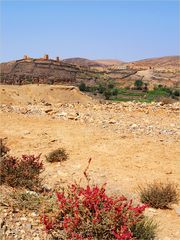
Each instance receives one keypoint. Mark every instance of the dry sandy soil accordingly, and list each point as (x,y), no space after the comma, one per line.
(130,144)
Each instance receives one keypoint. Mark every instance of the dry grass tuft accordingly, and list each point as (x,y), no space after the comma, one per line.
(159,195)
(58,155)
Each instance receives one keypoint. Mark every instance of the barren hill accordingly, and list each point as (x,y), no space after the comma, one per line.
(93,63)
(162,62)
(83,62)
(110,62)
(164,71)
(43,71)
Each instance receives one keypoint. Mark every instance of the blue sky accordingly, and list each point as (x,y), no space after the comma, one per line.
(126,30)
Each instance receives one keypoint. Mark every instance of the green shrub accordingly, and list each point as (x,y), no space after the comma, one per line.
(115,91)
(110,85)
(107,94)
(159,195)
(57,155)
(82,87)
(101,88)
(138,84)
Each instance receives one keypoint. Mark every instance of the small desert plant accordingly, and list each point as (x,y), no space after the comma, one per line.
(3,148)
(107,93)
(115,92)
(26,200)
(57,155)
(82,87)
(145,229)
(159,195)
(23,172)
(29,200)
(101,88)
(89,213)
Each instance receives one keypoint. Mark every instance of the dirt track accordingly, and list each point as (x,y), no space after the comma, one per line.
(121,156)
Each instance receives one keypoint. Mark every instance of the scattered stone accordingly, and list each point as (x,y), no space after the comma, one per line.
(32,192)
(134,126)
(61,114)
(2,223)
(61,173)
(33,214)
(23,218)
(152,210)
(23,110)
(48,110)
(167,238)
(112,121)
(26,132)
(28,226)
(47,104)
(177,210)
(36,238)
(46,188)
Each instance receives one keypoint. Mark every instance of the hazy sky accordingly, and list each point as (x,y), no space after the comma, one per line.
(126,30)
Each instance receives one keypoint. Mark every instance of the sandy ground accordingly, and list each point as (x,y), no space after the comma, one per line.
(122,159)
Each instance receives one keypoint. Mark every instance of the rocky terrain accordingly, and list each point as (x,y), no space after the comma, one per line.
(161,62)
(130,144)
(38,71)
(158,71)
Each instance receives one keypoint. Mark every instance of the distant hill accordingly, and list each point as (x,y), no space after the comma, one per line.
(92,63)
(154,71)
(162,62)
(83,62)
(109,62)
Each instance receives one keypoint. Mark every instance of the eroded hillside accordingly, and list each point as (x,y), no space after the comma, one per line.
(160,71)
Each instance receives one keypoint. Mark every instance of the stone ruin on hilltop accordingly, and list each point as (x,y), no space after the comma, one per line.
(38,70)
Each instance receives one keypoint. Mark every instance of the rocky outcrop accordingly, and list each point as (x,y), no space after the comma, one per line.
(50,71)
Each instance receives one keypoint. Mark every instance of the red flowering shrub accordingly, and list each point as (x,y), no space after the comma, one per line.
(23,172)
(89,213)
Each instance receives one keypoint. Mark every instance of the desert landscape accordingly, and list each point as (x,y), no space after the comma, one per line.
(89,113)
(130,144)
(157,71)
